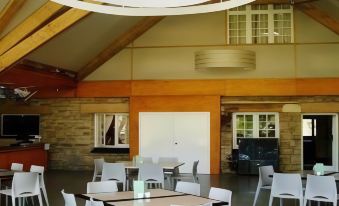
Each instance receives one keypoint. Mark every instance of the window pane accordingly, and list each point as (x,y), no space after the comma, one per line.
(122,129)
(248,133)
(240,133)
(262,133)
(249,125)
(249,117)
(109,129)
(262,125)
(271,133)
(262,117)
(271,117)
(271,125)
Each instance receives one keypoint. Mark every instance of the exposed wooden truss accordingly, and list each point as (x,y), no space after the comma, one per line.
(41,36)
(11,8)
(118,44)
(29,25)
(48,68)
(320,16)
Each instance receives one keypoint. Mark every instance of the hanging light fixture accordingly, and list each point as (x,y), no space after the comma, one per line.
(152,7)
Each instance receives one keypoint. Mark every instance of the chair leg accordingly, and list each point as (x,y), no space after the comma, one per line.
(256,194)
(281,201)
(40,200)
(271,201)
(301,201)
(44,192)
(13,201)
(305,202)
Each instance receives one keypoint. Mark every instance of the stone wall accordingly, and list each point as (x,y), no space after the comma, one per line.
(71,133)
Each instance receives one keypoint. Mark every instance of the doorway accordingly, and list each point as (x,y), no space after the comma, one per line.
(320,141)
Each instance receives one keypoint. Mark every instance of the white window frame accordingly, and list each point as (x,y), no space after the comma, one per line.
(270,11)
(116,140)
(255,125)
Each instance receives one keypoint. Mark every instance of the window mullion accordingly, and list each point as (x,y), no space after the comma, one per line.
(270,24)
(248,25)
(256,125)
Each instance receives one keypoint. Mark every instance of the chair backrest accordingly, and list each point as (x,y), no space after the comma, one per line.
(17,167)
(195,168)
(98,164)
(25,183)
(286,184)
(151,172)
(147,160)
(188,187)
(167,159)
(40,170)
(321,186)
(221,195)
(69,199)
(113,171)
(104,186)
(264,175)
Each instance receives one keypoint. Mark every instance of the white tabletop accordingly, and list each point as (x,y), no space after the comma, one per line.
(130,195)
(167,166)
(187,200)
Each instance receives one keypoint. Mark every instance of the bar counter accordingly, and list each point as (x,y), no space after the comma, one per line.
(33,154)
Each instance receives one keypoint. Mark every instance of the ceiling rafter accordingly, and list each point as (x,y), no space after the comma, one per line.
(29,25)
(41,36)
(320,16)
(10,10)
(118,44)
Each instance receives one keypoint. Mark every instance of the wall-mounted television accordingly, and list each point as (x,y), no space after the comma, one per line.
(20,126)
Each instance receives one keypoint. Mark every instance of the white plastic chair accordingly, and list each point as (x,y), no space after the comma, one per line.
(103,186)
(24,184)
(151,174)
(40,170)
(17,167)
(265,181)
(98,164)
(100,187)
(69,199)
(188,188)
(192,176)
(95,203)
(221,195)
(321,189)
(114,171)
(168,172)
(287,186)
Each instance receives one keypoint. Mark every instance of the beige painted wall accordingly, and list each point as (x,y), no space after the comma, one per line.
(167,52)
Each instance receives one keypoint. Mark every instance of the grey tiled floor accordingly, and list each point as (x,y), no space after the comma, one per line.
(243,187)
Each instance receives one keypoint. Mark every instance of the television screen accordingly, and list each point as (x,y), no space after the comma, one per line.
(20,125)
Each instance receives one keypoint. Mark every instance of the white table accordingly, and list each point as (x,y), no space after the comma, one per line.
(165,166)
(158,197)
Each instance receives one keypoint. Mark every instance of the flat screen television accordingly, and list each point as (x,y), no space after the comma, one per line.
(20,126)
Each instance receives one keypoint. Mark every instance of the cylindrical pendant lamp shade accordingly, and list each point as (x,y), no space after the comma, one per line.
(225,58)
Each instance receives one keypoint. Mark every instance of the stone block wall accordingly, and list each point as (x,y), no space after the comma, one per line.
(71,133)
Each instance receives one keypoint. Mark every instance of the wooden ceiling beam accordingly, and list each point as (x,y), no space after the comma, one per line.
(11,8)
(118,44)
(41,36)
(29,25)
(320,16)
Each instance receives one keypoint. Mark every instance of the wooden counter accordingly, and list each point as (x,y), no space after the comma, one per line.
(34,154)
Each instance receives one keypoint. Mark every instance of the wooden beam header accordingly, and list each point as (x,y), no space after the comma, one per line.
(10,10)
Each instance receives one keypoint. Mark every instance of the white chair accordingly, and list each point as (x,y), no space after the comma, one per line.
(116,172)
(287,186)
(100,187)
(321,189)
(188,188)
(168,172)
(192,176)
(96,203)
(69,199)
(265,181)
(40,170)
(151,174)
(17,167)
(221,195)
(98,163)
(147,159)
(24,184)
